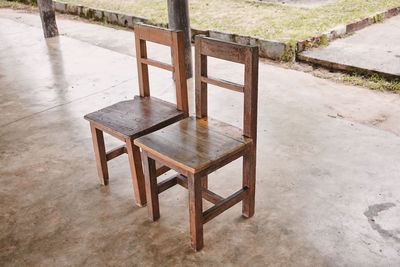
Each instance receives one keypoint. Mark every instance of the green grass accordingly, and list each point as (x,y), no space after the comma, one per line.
(4,3)
(264,20)
(374,82)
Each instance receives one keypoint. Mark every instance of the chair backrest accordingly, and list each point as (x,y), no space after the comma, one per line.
(244,54)
(173,39)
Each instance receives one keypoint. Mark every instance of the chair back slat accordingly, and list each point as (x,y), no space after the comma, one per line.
(244,54)
(157,64)
(173,39)
(154,34)
(223,50)
(222,83)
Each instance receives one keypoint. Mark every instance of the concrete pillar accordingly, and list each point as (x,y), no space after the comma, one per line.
(178,19)
(48,17)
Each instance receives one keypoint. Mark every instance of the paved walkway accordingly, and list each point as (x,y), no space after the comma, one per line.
(326,179)
(374,48)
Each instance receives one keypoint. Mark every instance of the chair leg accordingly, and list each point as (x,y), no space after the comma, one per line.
(151,187)
(135,163)
(100,154)
(249,180)
(204,181)
(195,212)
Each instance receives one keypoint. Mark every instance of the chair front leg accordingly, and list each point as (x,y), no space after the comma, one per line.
(135,163)
(195,186)
(249,180)
(151,187)
(100,154)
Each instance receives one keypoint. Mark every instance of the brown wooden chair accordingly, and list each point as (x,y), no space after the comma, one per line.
(196,147)
(131,119)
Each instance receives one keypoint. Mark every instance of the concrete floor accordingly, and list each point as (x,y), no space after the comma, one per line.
(327,172)
(374,48)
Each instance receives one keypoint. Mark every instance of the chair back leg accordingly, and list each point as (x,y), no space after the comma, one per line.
(249,181)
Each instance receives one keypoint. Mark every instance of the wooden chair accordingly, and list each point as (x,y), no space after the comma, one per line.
(131,119)
(196,147)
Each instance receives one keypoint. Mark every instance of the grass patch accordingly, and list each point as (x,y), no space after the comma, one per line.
(374,82)
(264,20)
(4,3)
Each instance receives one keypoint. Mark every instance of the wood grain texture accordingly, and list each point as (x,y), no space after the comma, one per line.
(100,154)
(225,204)
(135,163)
(250,129)
(113,153)
(137,117)
(200,86)
(178,57)
(178,19)
(195,144)
(151,187)
(223,50)
(222,83)
(143,69)
(158,64)
(195,212)
(153,34)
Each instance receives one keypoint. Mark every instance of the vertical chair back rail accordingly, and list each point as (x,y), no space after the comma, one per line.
(247,55)
(173,39)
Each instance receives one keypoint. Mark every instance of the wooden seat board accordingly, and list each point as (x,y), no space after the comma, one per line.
(137,117)
(197,142)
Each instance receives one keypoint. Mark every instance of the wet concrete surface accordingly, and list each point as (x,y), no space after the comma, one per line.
(326,167)
(374,48)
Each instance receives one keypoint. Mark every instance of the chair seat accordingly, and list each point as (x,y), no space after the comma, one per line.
(137,117)
(195,144)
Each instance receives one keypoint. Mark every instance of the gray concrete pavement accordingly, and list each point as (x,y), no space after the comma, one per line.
(327,173)
(374,48)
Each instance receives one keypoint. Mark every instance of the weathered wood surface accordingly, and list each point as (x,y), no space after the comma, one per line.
(193,143)
(178,19)
(135,164)
(100,154)
(48,17)
(151,187)
(137,117)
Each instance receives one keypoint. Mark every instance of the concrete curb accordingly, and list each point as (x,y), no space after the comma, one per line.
(268,48)
(345,68)
(271,49)
(342,30)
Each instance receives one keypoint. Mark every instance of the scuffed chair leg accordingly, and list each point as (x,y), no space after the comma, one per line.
(249,180)
(100,154)
(151,187)
(196,212)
